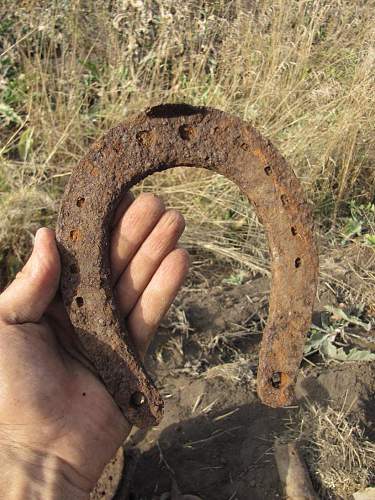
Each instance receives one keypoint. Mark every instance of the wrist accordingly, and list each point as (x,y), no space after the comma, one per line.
(29,474)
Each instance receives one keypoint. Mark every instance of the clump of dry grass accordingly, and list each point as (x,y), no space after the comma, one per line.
(340,458)
(25,209)
(241,370)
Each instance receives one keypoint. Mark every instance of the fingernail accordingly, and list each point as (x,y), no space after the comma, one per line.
(37,237)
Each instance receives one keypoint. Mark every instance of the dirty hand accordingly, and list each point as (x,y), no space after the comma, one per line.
(58,424)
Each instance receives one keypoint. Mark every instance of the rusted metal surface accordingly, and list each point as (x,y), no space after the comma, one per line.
(164,137)
(112,478)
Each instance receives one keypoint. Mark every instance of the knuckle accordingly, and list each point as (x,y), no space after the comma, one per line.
(174,220)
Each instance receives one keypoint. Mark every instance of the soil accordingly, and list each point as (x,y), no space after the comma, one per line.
(216,439)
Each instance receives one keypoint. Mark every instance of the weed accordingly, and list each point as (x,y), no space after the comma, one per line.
(334,340)
(361,222)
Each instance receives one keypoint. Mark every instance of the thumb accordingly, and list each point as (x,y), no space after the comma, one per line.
(27,297)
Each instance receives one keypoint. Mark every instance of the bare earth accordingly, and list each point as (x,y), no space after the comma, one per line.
(216,439)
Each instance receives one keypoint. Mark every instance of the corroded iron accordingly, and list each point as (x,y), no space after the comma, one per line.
(163,137)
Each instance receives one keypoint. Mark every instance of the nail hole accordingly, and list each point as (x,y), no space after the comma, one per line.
(75,234)
(298,262)
(79,301)
(187,133)
(146,137)
(268,170)
(284,200)
(137,399)
(80,202)
(94,171)
(276,380)
(294,230)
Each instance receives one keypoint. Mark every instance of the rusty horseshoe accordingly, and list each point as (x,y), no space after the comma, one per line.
(163,137)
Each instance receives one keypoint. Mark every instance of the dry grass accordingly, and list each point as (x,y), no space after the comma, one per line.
(340,458)
(302,71)
(241,370)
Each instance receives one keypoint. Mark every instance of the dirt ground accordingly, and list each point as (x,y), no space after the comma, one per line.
(216,439)
(226,453)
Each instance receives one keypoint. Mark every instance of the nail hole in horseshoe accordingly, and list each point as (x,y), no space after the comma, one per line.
(187,133)
(294,230)
(284,200)
(75,234)
(276,380)
(298,262)
(80,202)
(79,301)
(268,170)
(137,399)
(146,138)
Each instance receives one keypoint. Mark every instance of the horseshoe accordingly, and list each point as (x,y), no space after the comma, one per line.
(163,137)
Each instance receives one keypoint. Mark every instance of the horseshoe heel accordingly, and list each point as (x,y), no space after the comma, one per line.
(164,137)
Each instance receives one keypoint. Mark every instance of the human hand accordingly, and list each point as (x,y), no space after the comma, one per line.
(59,426)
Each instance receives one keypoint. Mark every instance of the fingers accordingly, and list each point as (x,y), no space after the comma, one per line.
(139,220)
(27,297)
(146,265)
(157,298)
(160,242)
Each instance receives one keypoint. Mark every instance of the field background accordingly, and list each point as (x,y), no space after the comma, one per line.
(303,72)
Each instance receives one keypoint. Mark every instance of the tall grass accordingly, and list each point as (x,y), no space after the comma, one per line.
(302,71)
